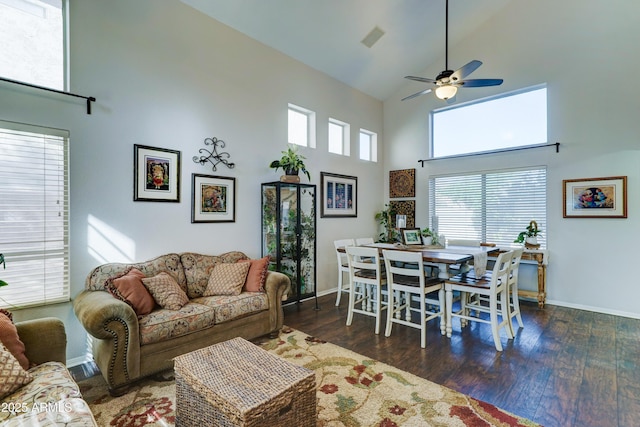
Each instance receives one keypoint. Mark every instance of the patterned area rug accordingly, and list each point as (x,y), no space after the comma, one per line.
(353,391)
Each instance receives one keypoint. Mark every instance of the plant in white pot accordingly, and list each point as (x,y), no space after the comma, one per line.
(429,237)
(529,236)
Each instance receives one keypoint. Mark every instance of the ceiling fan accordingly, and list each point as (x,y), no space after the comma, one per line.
(448,82)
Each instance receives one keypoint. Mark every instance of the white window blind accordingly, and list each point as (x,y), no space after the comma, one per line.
(491,206)
(34,215)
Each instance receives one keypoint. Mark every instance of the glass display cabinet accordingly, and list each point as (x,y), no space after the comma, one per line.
(289,235)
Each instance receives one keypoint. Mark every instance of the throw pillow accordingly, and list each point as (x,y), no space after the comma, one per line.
(9,337)
(129,288)
(257,275)
(166,291)
(227,279)
(12,376)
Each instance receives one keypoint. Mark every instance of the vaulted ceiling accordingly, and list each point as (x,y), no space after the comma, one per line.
(327,34)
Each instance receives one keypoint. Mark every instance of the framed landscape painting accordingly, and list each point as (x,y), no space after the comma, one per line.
(339,195)
(213,198)
(595,197)
(156,174)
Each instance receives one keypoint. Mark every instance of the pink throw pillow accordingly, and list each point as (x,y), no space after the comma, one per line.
(129,288)
(257,275)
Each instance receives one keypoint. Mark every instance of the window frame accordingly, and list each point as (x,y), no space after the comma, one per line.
(345,142)
(310,137)
(373,145)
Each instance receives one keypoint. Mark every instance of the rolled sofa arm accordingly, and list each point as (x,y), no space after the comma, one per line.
(45,340)
(114,326)
(276,286)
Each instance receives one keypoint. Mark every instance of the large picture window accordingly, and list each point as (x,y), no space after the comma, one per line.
(517,119)
(34,215)
(491,206)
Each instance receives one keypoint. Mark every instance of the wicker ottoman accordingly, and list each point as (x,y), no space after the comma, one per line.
(236,383)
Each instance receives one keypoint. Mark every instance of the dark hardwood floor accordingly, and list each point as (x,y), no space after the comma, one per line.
(566,367)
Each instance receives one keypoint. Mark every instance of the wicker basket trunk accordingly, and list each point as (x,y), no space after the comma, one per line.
(236,383)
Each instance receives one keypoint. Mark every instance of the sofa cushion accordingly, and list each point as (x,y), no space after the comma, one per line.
(166,291)
(97,279)
(12,376)
(257,275)
(71,412)
(161,325)
(198,269)
(128,287)
(228,307)
(227,279)
(9,337)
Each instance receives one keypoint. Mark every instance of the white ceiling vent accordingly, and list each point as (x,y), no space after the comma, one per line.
(373,36)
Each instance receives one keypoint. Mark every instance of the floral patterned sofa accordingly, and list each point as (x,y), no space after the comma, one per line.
(134,337)
(45,394)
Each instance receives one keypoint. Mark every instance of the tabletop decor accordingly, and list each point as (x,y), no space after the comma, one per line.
(291,162)
(213,198)
(212,156)
(402,183)
(595,197)
(529,236)
(338,195)
(386,218)
(156,174)
(411,236)
(351,390)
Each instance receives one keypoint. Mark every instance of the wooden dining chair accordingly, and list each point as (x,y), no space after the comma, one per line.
(407,283)
(343,265)
(366,284)
(495,286)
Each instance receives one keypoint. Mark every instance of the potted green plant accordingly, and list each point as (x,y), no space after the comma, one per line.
(530,235)
(291,162)
(389,233)
(2,282)
(429,237)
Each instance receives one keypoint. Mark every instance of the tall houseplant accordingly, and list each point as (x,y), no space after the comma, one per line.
(291,162)
(385,218)
(529,235)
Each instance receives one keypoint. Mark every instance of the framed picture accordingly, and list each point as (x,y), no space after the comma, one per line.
(411,236)
(339,195)
(156,174)
(595,197)
(213,198)
(406,208)
(402,183)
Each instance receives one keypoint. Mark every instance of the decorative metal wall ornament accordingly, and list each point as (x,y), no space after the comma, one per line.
(212,156)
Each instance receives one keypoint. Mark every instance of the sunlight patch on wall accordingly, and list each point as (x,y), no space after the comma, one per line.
(106,244)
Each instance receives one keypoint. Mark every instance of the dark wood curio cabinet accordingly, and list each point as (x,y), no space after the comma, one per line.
(289,235)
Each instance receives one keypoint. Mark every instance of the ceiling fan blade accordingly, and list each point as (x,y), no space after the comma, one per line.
(420,79)
(422,92)
(481,82)
(465,70)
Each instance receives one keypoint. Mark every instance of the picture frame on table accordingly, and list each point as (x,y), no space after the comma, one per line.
(339,195)
(595,197)
(411,236)
(213,198)
(156,174)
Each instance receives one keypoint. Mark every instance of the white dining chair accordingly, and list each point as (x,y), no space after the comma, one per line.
(361,241)
(367,280)
(343,266)
(514,302)
(407,283)
(495,286)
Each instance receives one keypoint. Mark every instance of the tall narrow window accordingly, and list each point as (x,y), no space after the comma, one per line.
(339,140)
(490,207)
(32,34)
(368,145)
(302,126)
(517,119)
(34,214)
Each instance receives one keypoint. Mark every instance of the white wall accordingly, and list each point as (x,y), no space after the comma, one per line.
(165,75)
(584,51)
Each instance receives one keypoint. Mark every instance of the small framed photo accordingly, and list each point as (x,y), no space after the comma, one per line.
(156,174)
(339,195)
(411,236)
(595,197)
(213,198)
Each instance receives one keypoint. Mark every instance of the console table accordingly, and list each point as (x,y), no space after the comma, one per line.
(541,257)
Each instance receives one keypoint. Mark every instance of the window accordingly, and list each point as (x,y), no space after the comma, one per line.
(368,146)
(302,126)
(339,140)
(513,120)
(490,207)
(32,34)
(34,215)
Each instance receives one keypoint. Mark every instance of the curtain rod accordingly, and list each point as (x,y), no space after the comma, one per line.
(554,144)
(88,98)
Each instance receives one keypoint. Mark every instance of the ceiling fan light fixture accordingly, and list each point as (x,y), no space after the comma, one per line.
(446,91)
